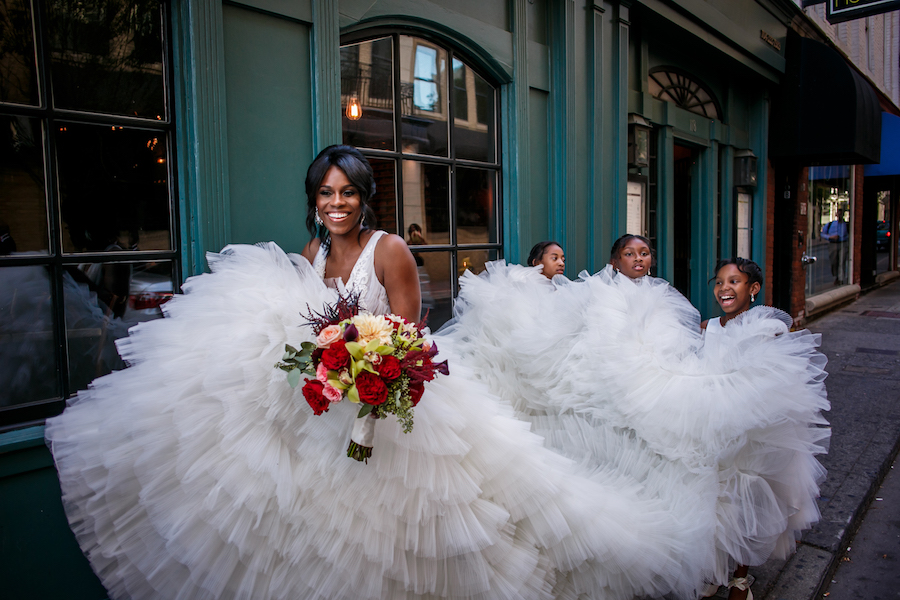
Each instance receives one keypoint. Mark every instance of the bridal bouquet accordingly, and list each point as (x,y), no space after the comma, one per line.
(380,362)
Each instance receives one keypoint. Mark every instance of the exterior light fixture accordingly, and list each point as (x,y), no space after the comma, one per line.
(745,168)
(354,109)
(638,141)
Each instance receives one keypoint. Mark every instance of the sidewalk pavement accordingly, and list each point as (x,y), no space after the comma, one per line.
(862,343)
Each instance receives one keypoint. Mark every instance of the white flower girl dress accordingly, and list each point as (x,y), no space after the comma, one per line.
(722,427)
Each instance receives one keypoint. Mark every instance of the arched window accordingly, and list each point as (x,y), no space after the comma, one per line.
(673,85)
(427,121)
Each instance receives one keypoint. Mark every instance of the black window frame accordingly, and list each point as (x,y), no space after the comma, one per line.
(17,416)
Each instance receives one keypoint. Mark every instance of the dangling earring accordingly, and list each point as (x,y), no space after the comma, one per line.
(752,298)
(362,222)
(319,220)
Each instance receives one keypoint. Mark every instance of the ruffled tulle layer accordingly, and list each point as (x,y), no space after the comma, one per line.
(199,473)
(614,373)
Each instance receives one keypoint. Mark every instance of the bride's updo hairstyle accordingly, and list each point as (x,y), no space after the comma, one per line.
(623,241)
(537,252)
(744,265)
(357,169)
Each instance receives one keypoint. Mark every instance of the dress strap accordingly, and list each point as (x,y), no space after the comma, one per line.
(319,261)
(364,268)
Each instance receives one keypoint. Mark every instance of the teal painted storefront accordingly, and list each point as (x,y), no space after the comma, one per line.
(257,89)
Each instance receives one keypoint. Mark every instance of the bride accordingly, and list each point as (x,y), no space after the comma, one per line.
(199,473)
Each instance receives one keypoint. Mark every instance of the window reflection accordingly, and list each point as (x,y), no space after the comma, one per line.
(436,286)
(18,75)
(106,56)
(384,202)
(113,189)
(23,208)
(28,365)
(103,300)
(473,114)
(830,223)
(426,84)
(367,75)
(424,103)
(426,199)
(474,260)
(475,206)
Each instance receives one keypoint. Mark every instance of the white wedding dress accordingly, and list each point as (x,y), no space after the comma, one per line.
(615,374)
(199,473)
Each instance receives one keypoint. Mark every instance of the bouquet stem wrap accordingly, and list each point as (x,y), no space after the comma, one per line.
(362,438)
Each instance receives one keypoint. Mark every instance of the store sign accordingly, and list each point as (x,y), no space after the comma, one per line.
(838,11)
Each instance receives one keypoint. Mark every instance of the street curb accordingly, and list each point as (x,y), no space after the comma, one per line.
(809,571)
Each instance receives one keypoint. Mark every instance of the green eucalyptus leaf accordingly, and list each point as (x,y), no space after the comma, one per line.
(364,410)
(294,378)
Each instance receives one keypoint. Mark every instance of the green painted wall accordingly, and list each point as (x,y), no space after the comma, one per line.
(270,126)
(41,558)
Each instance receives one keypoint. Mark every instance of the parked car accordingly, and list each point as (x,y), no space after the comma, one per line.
(883,236)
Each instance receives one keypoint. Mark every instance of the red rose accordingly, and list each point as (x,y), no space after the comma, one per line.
(336,356)
(312,391)
(390,367)
(371,388)
(415,392)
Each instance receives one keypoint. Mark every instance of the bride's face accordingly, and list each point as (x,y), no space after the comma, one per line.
(338,203)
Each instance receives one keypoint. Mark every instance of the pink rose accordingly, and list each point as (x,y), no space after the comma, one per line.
(330,334)
(332,394)
(322,373)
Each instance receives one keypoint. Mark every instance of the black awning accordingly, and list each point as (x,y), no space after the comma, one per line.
(824,113)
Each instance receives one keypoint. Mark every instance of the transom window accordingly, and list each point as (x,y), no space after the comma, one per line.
(672,85)
(87,208)
(427,121)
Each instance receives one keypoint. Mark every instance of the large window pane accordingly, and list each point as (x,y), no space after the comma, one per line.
(473,260)
(18,74)
(830,224)
(437,287)
(23,204)
(423,96)
(28,364)
(113,189)
(367,77)
(883,232)
(107,56)
(426,200)
(384,202)
(475,202)
(102,301)
(473,114)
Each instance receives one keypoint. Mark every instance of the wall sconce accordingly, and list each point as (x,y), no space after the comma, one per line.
(638,141)
(745,168)
(354,109)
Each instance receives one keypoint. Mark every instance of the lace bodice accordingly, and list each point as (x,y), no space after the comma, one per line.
(363,281)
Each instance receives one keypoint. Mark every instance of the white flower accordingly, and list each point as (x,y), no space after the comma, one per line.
(373,327)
